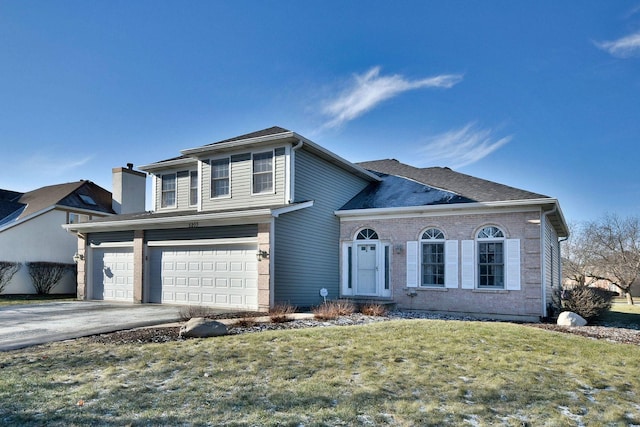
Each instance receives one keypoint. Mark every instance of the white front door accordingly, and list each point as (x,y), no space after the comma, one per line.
(367,269)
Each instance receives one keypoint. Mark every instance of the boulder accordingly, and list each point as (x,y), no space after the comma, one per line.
(569,318)
(199,327)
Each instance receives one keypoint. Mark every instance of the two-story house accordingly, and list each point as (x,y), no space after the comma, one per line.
(272,217)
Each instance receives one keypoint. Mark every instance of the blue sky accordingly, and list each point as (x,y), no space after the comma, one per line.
(542,95)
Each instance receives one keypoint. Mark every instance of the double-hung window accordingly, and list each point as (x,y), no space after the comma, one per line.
(433,261)
(491,259)
(193,188)
(220,178)
(168,183)
(263,172)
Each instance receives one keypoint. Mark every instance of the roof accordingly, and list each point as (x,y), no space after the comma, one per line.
(466,186)
(274,130)
(79,195)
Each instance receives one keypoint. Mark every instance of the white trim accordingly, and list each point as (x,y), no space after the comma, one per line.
(154,191)
(287,174)
(377,285)
(413,269)
(273,172)
(111,245)
(344,268)
(203,242)
(272,267)
(166,164)
(200,184)
(292,208)
(175,191)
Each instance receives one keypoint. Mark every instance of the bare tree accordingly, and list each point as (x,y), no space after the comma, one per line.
(7,270)
(614,251)
(576,256)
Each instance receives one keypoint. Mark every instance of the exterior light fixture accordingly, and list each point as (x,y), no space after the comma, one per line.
(78,257)
(261,254)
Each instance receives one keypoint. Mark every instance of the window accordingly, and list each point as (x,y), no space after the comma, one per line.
(168,199)
(87,199)
(491,258)
(220,178)
(193,188)
(433,263)
(263,172)
(367,234)
(75,218)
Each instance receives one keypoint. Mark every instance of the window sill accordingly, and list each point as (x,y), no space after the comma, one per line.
(490,291)
(427,288)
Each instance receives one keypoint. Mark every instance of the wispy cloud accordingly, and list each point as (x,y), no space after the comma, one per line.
(55,167)
(624,47)
(462,147)
(370,89)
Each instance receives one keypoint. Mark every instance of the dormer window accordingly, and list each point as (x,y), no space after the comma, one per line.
(263,172)
(168,190)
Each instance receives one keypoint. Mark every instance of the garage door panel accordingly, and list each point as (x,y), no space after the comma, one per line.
(112,274)
(209,275)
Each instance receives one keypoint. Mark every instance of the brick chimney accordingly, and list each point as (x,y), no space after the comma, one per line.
(129,187)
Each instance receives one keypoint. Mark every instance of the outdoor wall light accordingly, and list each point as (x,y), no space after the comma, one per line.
(261,254)
(77,257)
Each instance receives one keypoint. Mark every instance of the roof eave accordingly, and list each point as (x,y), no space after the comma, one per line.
(222,146)
(151,167)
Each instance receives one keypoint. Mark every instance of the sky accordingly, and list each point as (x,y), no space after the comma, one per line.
(539,95)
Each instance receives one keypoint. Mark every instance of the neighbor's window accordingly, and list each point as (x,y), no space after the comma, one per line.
(432,246)
(193,188)
(168,190)
(75,218)
(263,172)
(220,178)
(491,258)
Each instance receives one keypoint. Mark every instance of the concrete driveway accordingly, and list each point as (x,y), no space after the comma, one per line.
(27,325)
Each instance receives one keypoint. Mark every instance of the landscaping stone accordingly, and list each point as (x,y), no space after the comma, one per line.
(569,318)
(199,327)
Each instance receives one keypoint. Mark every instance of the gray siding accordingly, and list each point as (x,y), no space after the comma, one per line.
(226,232)
(241,177)
(307,241)
(551,251)
(109,237)
(182,189)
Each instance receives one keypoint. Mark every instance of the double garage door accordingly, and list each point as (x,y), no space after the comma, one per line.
(223,276)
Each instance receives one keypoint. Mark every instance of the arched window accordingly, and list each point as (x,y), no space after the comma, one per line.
(367,234)
(432,264)
(490,258)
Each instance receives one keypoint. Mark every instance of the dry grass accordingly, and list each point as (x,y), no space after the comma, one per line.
(281,312)
(333,309)
(406,372)
(373,309)
(245,322)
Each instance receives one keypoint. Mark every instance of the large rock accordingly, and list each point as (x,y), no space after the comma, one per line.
(569,318)
(199,327)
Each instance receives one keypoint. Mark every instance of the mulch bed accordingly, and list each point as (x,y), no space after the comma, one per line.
(163,334)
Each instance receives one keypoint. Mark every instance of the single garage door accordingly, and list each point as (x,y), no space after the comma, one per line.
(112,274)
(222,276)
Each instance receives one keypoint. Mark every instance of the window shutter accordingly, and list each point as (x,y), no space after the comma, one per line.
(468,264)
(412,264)
(513,264)
(346,263)
(451,264)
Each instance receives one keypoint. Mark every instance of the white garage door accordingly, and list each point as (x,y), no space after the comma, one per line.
(223,276)
(112,274)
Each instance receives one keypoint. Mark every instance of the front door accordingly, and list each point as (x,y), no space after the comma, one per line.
(367,274)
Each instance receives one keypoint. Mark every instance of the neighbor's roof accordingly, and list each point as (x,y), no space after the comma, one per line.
(67,195)
(466,186)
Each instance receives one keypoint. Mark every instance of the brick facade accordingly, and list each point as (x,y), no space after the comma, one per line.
(525,226)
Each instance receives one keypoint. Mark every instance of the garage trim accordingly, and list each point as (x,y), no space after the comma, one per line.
(202,242)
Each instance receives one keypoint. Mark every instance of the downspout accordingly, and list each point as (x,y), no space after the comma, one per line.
(543,227)
(292,168)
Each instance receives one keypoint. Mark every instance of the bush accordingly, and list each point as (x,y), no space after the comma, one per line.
(587,302)
(334,309)
(46,275)
(191,311)
(280,312)
(373,309)
(7,270)
(245,322)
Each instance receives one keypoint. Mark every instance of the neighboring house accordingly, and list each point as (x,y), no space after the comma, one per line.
(30,228)
(271,217)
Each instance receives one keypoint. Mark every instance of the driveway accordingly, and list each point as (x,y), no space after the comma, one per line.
(27,325)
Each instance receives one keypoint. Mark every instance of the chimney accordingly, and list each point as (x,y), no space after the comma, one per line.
(129,186)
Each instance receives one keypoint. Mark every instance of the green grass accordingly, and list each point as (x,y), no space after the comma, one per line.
(34,299)
(405,373)
(622,315)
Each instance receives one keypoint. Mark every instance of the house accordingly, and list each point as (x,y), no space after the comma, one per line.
(271,217)
(30,228)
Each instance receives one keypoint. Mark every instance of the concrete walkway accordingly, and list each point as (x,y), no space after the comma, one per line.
(32,324)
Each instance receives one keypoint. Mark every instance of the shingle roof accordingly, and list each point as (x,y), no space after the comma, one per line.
(466,186)
(274,130)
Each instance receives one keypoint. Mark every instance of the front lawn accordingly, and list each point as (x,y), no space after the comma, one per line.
(403,372)
(622,315)
(34,298)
